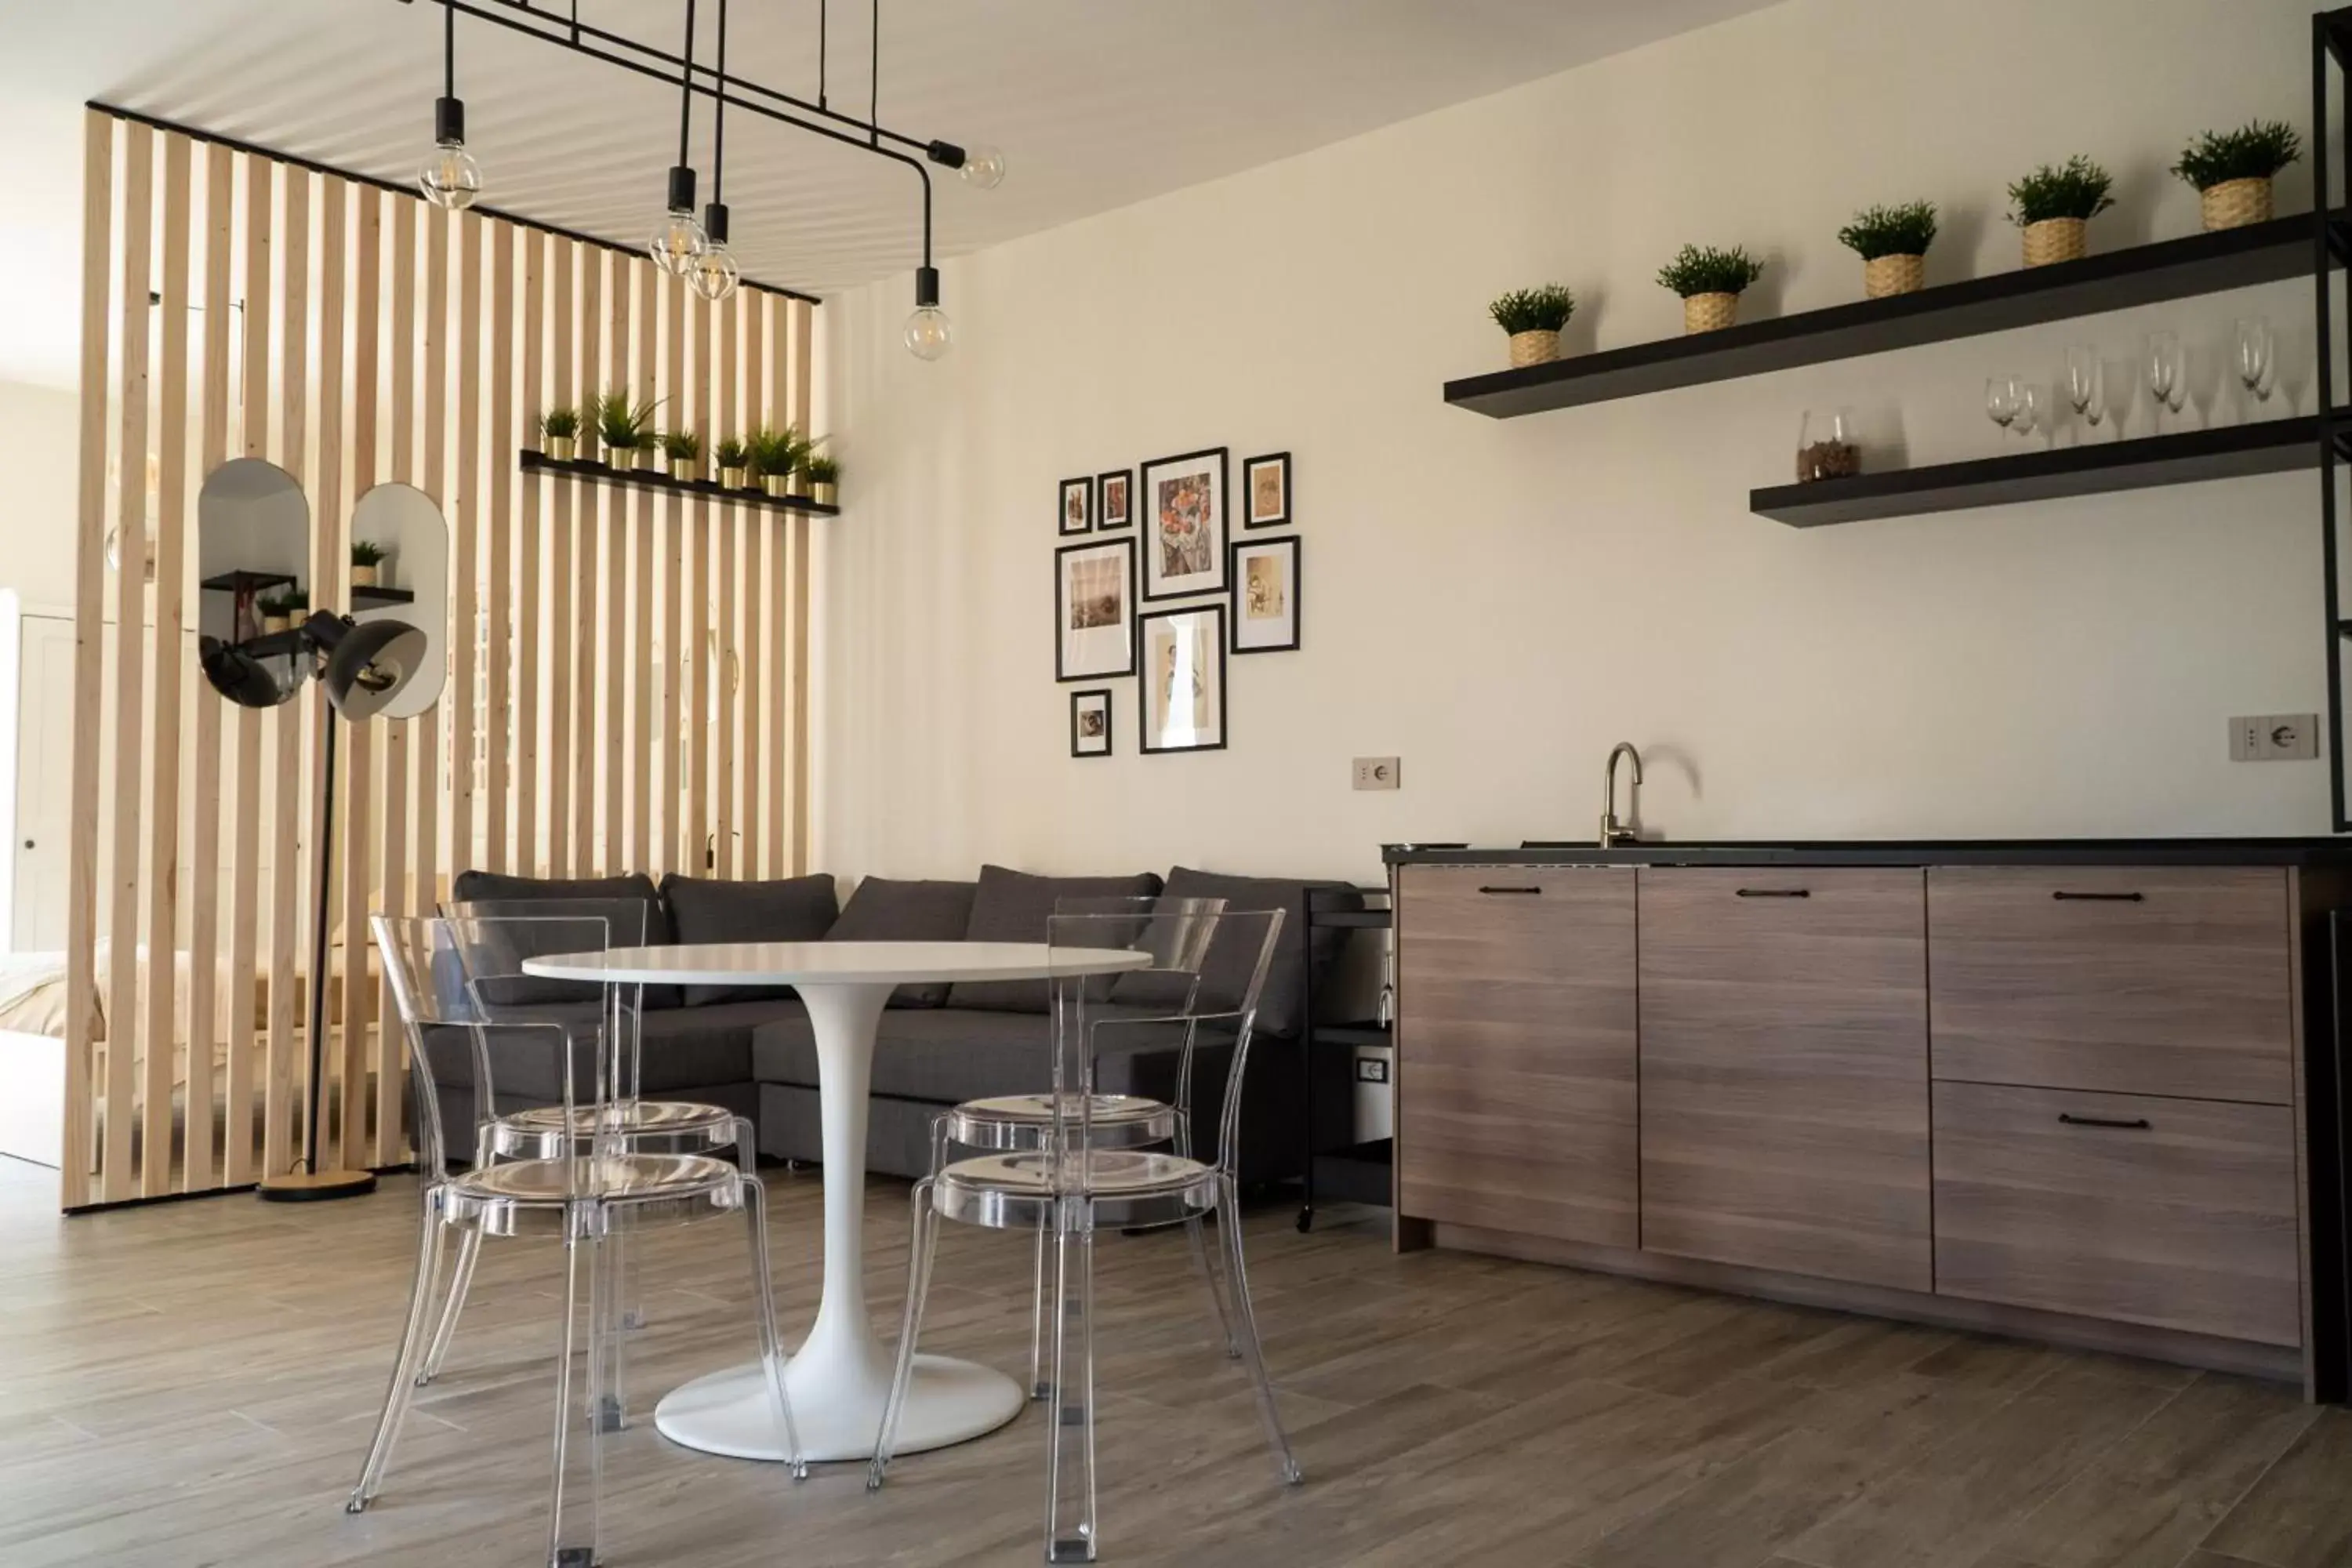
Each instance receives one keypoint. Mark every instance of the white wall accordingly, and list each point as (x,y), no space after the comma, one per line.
(1499,602)
(37,505)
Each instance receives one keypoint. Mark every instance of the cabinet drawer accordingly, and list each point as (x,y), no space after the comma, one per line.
(1515,1099)
(1784,1071)
(2175,1213)
(2174,981)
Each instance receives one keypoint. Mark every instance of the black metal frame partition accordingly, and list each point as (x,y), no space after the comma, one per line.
(2331,36)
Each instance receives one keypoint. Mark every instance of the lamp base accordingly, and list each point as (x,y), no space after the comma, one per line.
(315,1186)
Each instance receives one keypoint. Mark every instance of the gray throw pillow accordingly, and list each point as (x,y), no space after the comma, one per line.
(799,909)
(1225,972)
(498,888)
(882,909)
(1013,906)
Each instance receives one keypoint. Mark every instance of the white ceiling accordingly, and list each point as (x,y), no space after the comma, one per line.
(1097,103)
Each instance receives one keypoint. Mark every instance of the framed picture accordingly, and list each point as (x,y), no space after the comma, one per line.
(1091,722)
(1184,525)
(1183,678)
(1094,610)
(1265,595)
(1078,506)
(1265,481)
(1115,505)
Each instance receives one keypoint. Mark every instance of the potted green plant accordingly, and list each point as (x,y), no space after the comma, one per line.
(1533,318)
(823,479)
(2233,171)
(684,450)
(626,430)
(558,429)
(776,457)
(2053,203)
(367,562)
(1892,244)
(734,464)
(1710,282)
(277,612)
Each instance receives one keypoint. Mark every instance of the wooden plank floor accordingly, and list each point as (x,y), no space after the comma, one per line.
(194,1383)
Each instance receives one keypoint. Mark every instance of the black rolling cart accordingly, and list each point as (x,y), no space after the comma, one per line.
(1335,1167)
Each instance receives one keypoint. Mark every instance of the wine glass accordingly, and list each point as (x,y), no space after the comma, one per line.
(2254,356)
(2086,383)
(2166,379)
(2032,414)
(2003,398)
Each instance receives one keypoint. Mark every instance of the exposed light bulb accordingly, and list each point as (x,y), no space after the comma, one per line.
(449,177)
(714,274)
(928,333)
(983,167)
(677,244)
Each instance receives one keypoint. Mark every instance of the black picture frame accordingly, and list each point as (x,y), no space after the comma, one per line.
(1125,545)
(1110,732)
(1249,491)
(1085,486)
(1144,727)
(1235,552)
(1148,528)
(1126,477)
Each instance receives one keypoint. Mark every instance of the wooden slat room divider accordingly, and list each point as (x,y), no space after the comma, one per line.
(237,304)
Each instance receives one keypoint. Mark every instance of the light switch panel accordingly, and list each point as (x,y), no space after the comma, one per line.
(2274,738)
(1376,773)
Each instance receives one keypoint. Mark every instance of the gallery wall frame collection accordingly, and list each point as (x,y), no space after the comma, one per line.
(1183,548)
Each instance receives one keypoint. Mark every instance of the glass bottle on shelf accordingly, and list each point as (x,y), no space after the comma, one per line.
(1825,447)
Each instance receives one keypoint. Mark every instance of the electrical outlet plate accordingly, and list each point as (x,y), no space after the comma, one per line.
(1371,1069)
(2274,738)
(1377,773)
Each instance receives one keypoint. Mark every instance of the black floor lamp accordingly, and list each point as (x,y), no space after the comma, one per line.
(361,667)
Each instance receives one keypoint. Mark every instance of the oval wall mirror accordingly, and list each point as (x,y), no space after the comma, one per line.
(409,583)
(253,548)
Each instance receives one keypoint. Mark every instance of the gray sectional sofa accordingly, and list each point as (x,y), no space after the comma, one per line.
(753,1051)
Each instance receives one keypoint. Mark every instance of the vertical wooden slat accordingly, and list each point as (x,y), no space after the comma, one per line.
(497,735)
(676,515)
(694,634)
(612,731)
(725,615)
(565,262)
(355,848)
(465,586)
(204,776)
(331,579)
(391,1059)
(588,728)
(530,573)
(426,736)
(794,612)
(82,890)
(238,1150)
(646,349)
(286,842)
(129,664)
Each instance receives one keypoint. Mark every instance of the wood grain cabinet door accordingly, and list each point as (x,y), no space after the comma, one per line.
(2162,981)
(1516,1050)
(2180,1213)
(1784,1071)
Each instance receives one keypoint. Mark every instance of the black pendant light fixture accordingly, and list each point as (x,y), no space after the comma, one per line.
(715,272)
(449,177)
(678,240)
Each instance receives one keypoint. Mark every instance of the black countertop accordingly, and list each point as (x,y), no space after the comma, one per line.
(1891,852)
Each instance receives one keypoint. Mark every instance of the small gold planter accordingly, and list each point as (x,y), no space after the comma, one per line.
(824,492)
(2055,239)
(735,479)
(2234,203)
(1534,348)
(1885,275)
(1710,312)
(563,448)
(776,485)
(681,468)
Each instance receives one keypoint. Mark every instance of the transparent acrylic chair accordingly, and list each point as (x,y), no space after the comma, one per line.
(1078,1186)
(543,1132)
(593,1188)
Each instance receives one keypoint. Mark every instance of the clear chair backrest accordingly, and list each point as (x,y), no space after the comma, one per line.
(626,922)
(1233,981)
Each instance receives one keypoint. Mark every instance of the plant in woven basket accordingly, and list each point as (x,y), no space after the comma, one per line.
(1704,270)
(277,607)
(1877,231)
(2254,152)
(2076,189)
(1543,310)
(366,552)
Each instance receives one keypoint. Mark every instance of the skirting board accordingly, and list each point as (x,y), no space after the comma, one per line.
(2204,1350)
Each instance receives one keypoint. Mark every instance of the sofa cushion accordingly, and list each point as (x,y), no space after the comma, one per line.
(497,887)
(1225,972)
(886,911)
(947,1055)
(1013,906)
(798,908)
(681,1050)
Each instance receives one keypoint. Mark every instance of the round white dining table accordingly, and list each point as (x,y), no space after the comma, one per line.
(840,1377)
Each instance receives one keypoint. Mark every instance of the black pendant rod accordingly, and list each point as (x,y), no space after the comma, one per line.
(823,9)
(719,118)
(449,54)
(874,85)
(686,90)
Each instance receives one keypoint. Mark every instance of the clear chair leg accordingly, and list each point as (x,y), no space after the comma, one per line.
(1203,1266)
(922,1247)
(772,1342)
(461,1281)
(405,1378)
(572,1531)
(1070,1532)
(617,1268)
(1286,1464)
(1040,1385)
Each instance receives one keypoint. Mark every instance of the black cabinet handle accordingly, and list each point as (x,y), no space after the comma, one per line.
(1776,893)
(1530,892)
(2064,896)
(2133,1124)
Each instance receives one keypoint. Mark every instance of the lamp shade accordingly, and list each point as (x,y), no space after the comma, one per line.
(238,676)
(368,663)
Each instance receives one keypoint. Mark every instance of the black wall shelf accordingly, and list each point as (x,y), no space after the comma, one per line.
(2186,457)
(654,479)
(240,582)
(365,595)
(2116,281)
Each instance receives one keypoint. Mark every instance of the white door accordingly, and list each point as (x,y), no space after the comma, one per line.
(44,782)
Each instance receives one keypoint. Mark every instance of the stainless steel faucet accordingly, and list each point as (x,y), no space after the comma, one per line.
(1614,832)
